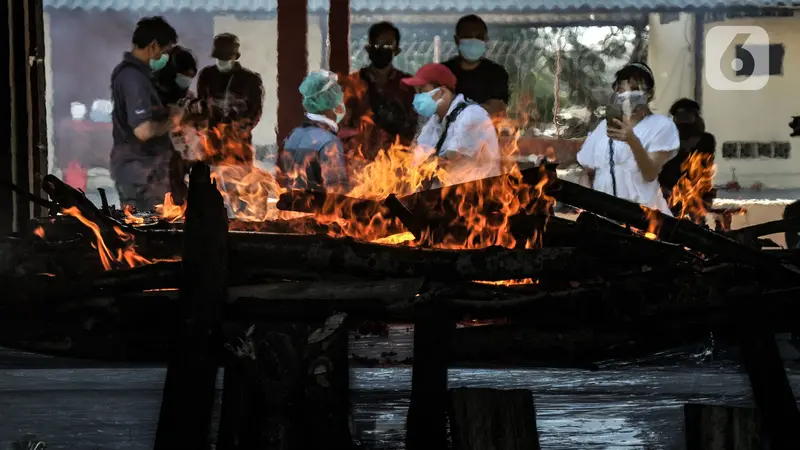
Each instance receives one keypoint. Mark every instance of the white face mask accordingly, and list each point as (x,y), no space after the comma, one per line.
(224,66)
(635,98)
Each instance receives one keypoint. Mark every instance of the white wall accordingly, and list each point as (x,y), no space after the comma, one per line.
(259,49)
(760,116)
(48,94)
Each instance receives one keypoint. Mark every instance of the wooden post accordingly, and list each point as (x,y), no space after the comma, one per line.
(493,419)
(712,427)
(9,83)
(286,387)
(771,389)
(292,63)
(339,36)
(426,424)
(189,388)
(327,405)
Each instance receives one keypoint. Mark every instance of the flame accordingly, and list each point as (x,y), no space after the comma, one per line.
(39,231)
(524,281)
(169,210)
(129,217)
(126,254)
(692,188)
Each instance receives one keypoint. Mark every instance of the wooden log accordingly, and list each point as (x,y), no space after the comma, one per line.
(493,419)
(327,416)
(426,422)
(670,229)
(714,427)
(189,389)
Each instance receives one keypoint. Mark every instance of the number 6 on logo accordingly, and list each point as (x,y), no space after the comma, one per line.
(720,50)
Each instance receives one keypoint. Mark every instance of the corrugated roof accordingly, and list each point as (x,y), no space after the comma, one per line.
(418,6)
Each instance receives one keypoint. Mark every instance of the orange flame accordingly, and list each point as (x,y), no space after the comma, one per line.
(691,190)
(127,254)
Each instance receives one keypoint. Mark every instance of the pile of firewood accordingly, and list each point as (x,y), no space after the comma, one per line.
(273,305)
(597,288)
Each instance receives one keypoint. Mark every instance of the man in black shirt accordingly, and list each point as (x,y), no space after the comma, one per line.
(694,140)
(479,79)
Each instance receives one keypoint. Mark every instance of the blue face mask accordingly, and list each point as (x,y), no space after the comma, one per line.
(472,49)
(160,63)
(424,104)
(183,81)
(340,111)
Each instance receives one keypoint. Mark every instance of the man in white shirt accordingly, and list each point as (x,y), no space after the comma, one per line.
(458,132)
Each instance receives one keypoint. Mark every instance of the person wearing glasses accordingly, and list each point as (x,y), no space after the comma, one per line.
(380,107)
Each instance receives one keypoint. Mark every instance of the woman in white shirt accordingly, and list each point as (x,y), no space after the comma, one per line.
(625,157)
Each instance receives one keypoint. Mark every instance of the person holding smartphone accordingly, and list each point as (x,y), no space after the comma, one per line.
(624,155)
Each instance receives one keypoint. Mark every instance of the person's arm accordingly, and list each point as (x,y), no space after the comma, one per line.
(256,100)
(135,90)
(585,156)
(661,148)
(472,137)
(499,94)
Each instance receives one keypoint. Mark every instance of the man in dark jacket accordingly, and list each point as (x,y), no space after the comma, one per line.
(233,98)
(694,141)
(142,147)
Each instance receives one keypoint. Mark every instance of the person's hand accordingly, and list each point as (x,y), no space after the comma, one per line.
(621,131)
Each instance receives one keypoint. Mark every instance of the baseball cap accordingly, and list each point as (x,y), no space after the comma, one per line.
(433,73)
(226,46)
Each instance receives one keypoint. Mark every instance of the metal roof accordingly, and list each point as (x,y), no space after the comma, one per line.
(419,6)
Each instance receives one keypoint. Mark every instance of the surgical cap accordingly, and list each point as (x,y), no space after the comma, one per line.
(321,92)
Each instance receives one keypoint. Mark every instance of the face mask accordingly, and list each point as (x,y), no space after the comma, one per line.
(425,105)
(183,81)
(381,57)
(160,63)
(340,111)
(636,98)
(224,66)
(472,49)
(686,130)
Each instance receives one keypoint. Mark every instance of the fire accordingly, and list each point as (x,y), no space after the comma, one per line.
(690,191)
(127,254)
(39,231)
(169,210)
(522,282)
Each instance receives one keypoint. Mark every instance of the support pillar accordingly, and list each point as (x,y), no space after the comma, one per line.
(339,36)
(292,63)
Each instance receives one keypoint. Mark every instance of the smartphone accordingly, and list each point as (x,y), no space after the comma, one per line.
(613,111)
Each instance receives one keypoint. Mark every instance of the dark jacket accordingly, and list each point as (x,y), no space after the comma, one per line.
(312,157)
(136,102)
(380,116)
(231,97)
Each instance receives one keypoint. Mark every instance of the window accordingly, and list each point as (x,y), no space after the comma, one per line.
(753,150)
(775,66)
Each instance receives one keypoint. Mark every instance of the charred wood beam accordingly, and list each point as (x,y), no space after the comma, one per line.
(189,388)
(669,229)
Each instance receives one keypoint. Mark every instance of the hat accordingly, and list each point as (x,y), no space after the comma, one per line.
(433,73)
(226,46)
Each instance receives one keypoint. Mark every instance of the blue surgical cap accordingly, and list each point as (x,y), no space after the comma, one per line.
(321,92)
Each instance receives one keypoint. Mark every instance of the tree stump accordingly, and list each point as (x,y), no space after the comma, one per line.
(712,427)
(493,419)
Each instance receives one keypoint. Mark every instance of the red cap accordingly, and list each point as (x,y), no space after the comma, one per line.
(433,73)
